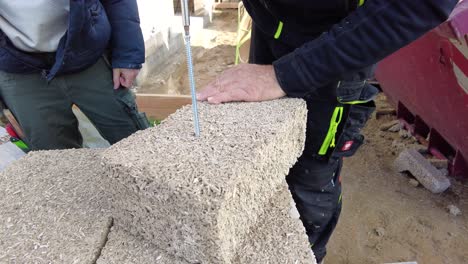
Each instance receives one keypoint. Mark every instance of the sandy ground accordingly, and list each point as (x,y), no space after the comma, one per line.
(385,218)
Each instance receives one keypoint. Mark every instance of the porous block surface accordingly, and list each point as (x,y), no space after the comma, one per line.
(198,197)
(53,208)
(124,248)
(277,237)
(429,176)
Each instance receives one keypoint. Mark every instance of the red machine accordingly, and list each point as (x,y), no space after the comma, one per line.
(428,82)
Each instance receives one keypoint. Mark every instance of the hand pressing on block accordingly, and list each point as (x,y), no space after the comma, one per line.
(243,83)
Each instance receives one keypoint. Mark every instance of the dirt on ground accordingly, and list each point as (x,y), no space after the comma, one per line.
(386,217)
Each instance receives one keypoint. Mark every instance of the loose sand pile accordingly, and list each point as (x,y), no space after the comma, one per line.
(171,197)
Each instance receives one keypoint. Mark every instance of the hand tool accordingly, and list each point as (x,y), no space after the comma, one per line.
(188,50)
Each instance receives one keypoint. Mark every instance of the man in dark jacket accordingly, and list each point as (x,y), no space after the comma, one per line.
(323,51)
(55,54)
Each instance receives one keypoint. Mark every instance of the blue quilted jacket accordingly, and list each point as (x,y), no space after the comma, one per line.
(94,28)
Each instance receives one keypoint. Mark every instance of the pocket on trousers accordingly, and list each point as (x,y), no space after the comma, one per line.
(141,120)
(7,78)
(128,102)
(351,138)
(319,115)
(349,91)
(356,92)
(348,144)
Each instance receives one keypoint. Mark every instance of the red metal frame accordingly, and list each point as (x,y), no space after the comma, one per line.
(427,80)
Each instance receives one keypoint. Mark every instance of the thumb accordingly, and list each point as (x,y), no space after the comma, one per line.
(208,91)
(116,78)
(220,98)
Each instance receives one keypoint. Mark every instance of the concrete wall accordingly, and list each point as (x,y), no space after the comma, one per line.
(155,16)
(162,31)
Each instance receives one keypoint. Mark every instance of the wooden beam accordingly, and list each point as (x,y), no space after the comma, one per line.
(226,5)
(11,118)
(160,106)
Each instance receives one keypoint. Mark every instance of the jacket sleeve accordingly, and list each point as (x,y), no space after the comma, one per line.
(369,34)
(127,44)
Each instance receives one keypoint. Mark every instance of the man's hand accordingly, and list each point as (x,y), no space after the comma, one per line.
(245,82)
(124,77)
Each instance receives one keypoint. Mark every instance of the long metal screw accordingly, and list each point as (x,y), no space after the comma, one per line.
(188,50)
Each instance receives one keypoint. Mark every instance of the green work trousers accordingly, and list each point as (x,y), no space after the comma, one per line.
(44,109)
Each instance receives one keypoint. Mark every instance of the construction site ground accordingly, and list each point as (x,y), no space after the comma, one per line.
(385,218)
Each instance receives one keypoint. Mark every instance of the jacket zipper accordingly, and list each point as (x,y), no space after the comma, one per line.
(335,121)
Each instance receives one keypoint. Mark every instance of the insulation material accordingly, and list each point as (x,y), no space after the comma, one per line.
(197,198)
(277,237)
(53,208)
(163,196)
(123,248)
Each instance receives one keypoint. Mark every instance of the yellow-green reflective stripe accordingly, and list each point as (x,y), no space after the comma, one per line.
(354,102)
(339,199)
(340,114)
(20,144)
(361,2)
(330,137)
(278,30)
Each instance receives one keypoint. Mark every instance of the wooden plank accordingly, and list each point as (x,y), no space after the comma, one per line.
(160,106)
(11,118)
(226,5)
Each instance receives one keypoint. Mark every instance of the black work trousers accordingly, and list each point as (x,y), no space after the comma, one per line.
(314,181)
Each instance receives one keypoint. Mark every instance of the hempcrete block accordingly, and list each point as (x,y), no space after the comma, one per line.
(53,208)
(196,198)
(124,248)
(277,237)
(430,177)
